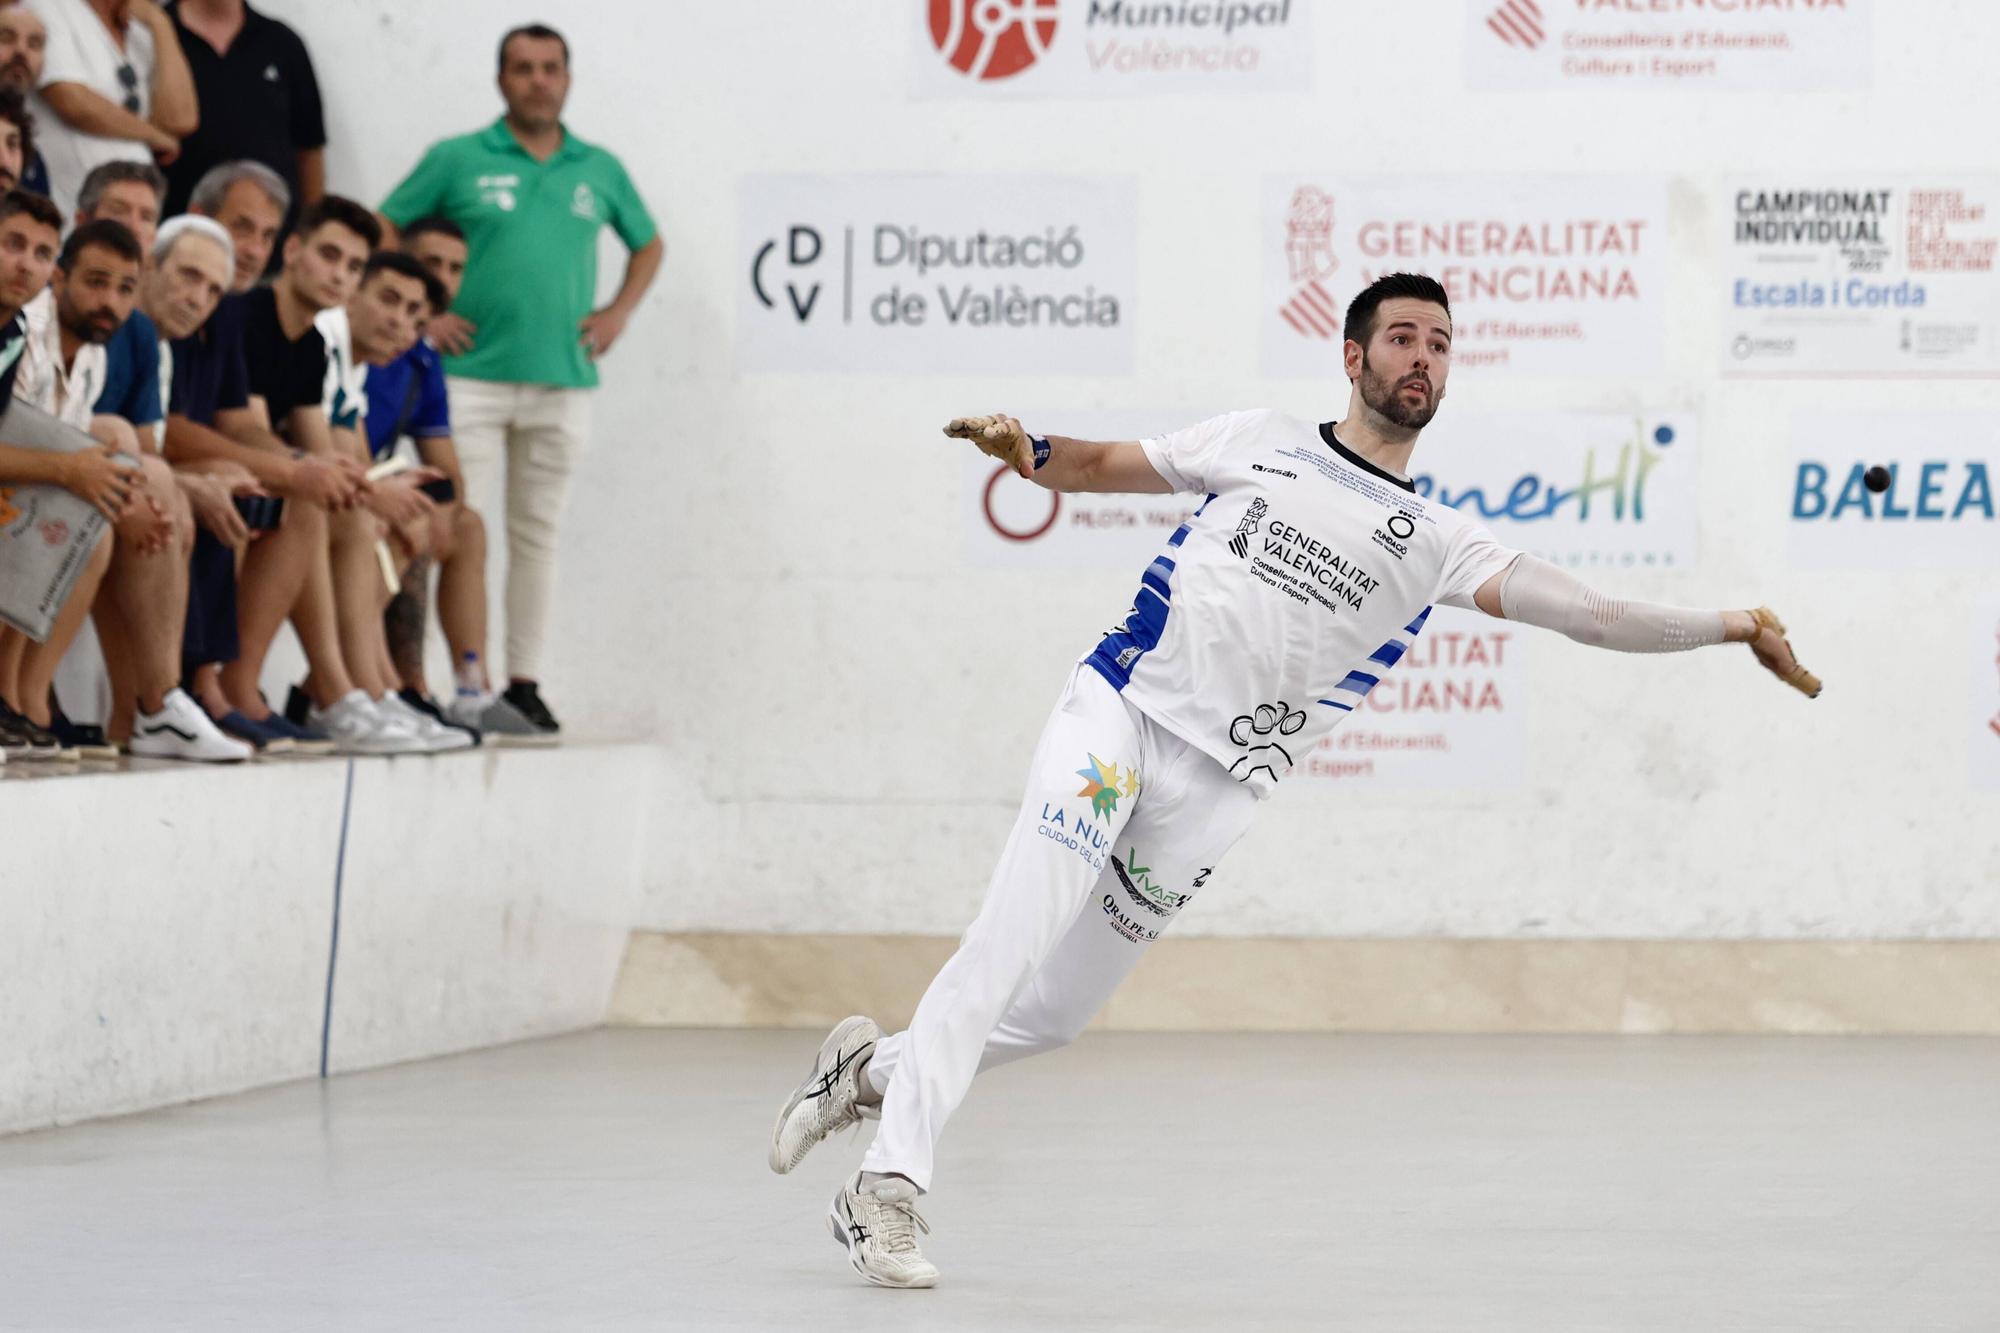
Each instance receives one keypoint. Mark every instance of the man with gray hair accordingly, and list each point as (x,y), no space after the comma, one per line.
(250,201)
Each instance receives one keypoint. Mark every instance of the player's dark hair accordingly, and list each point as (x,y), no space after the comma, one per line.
(433,224)
(395,261)
(333,208)
(14,110)
(540,31)
(1360,326)
(104,233)
(17,202)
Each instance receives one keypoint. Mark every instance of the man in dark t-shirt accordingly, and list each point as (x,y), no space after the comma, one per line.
(259,101)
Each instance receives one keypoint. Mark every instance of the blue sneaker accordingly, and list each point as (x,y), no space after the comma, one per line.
(257,735)
(302,739)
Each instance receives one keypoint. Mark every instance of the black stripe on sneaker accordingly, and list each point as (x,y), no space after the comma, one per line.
(187,736)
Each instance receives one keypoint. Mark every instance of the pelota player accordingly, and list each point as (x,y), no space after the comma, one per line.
(1305,575)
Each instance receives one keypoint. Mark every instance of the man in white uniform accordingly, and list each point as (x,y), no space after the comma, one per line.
(1302,578)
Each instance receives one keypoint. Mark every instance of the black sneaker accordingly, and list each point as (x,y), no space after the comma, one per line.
(22,739)
(297,707)
(527,700)
(428,706)
(86,740)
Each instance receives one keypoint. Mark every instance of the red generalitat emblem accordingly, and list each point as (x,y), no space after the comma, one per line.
(1518,23)
(1309,257)
(993,39)
(55,532)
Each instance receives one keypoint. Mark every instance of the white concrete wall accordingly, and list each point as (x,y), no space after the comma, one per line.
(165,935)
(764,572)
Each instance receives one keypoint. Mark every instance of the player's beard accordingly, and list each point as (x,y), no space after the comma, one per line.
(1387,398)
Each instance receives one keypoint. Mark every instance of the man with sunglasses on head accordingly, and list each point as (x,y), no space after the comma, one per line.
(114,84)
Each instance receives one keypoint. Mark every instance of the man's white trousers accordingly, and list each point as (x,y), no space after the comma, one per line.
(1122,823)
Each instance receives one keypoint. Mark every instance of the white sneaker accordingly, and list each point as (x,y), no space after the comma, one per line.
(878,1225)
(182,729)
(437,737)
(825,1103)
(357,726)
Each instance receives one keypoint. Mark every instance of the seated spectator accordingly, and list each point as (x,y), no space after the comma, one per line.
(390,303)
(22,40)
(210,430)
(407,399)
(377,328)
(30,230)
(114,85)
(17,137)
(258,98)
(129,193)
(249,200)
(284,360)
(142,603)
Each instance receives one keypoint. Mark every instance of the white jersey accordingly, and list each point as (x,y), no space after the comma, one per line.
(345,393)
(1302,578)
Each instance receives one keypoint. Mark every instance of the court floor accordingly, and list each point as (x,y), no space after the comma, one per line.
(616,1180)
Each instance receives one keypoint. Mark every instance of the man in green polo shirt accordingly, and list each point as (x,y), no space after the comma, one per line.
(521,342)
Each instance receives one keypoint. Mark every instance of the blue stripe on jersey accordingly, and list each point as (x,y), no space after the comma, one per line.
(1119,651)
(1358,683)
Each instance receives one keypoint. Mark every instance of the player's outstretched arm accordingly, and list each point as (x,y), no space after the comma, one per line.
(1060,463)
(1535,592)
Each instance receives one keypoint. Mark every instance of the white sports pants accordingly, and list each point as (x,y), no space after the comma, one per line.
(517,443)
(1122,823)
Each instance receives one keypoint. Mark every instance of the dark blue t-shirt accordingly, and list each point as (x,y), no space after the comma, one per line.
(132,372)
(210,374)
(407,397)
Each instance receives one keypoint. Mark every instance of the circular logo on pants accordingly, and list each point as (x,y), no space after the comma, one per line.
(992,39)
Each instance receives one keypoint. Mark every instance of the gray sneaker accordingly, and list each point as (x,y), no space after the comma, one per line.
(826,1102)
(497,720)
(877,1225)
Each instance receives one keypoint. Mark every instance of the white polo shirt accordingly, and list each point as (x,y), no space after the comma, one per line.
(82,50)
(67,393)
(1303,577)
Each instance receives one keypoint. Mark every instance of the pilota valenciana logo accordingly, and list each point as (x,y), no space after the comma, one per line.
(992,39)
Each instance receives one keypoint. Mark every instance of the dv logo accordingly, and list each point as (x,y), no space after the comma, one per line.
(993,39)
(803,247)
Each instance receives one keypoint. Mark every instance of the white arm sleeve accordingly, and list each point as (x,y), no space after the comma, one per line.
(1535,592)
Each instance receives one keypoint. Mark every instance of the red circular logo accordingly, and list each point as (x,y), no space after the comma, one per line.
(55,532)
(993,39)
(1016,534)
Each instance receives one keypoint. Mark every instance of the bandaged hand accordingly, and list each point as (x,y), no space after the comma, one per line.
(1774,653)
(998,436)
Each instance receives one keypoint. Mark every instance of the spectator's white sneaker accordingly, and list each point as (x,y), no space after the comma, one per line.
(357,726)
(182,729)
(878,1224)
(437,737)
(825,1103)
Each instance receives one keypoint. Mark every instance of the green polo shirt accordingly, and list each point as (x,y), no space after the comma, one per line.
(532,231)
